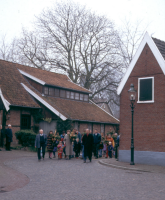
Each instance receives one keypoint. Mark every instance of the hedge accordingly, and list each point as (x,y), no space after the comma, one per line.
(26,137)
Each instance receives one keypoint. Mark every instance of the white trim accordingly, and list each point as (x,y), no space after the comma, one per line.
(151,101)
(44,102)
(5,102)
(146,40)
(145,101)
(32,77)
(104,110)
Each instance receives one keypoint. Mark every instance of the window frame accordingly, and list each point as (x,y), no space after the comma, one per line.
(78,97)
(62,92)
(150,101)
(82,97)
(55,92)
(73,95)
(28,118)
(51,88)
(66,94)
(46,88)
(86,95)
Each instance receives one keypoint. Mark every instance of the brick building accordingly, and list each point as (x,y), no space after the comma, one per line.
(147,72)
(24,90)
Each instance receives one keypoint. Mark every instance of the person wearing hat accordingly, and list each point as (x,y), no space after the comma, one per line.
(110,149)
(9,137)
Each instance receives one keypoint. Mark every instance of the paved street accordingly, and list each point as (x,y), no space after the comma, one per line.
(75,180)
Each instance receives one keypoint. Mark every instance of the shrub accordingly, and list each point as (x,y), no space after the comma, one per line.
(26,137)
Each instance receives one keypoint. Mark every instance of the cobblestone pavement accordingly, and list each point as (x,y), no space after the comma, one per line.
(75,180)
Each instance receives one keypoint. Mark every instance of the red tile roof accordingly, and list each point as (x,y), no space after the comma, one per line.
(52,78)
(78,110)
(13,92)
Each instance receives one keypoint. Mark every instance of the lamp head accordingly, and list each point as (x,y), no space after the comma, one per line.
(132,93)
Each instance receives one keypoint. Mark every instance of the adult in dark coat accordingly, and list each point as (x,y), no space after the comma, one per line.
(117,146)
(96,143)
(41,141)
(2,136)
(88,145)
(9,137)
(50,144)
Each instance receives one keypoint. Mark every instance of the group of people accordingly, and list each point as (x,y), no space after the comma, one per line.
(65,145)
(6,133)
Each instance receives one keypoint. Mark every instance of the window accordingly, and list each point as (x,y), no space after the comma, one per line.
(57,92)
(85,97)
(77,96)
(51,91)
(81,97)
(25,121)
(67,94)
(72,95)
(146,90)
(62,93)
(46,90)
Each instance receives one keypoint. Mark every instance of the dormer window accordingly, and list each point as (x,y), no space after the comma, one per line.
(81,97)
(72,95)
(77,96)
(85,97)
(67,94)
(57,92)
(51,91)
(146,90)
(62,93)
(46,90)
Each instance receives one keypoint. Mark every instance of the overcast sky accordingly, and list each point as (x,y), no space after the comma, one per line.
(17,13)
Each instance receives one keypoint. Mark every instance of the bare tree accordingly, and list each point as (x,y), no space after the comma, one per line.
(129,38)
(73,39)
(5,48)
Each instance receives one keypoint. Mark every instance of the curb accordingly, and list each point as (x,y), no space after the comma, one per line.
(121,167)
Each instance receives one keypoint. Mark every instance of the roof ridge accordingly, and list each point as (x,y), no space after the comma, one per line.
(32,67)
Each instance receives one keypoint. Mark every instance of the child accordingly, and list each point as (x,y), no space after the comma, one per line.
(110,149)
(55,143)
(77,148)
(60,150)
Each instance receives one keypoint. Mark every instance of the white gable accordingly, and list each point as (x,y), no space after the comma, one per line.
(146,40)
(5,102)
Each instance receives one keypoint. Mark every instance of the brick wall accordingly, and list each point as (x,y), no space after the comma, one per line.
(14,120)
(82,127)
(149,118)
(109,128)
(97,126)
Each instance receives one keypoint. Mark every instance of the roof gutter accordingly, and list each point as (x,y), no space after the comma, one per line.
(95,122)
(24,106)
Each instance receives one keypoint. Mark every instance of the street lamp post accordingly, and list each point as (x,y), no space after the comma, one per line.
(132,96)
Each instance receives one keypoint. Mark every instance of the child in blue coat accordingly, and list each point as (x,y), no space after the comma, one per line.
(110,149)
